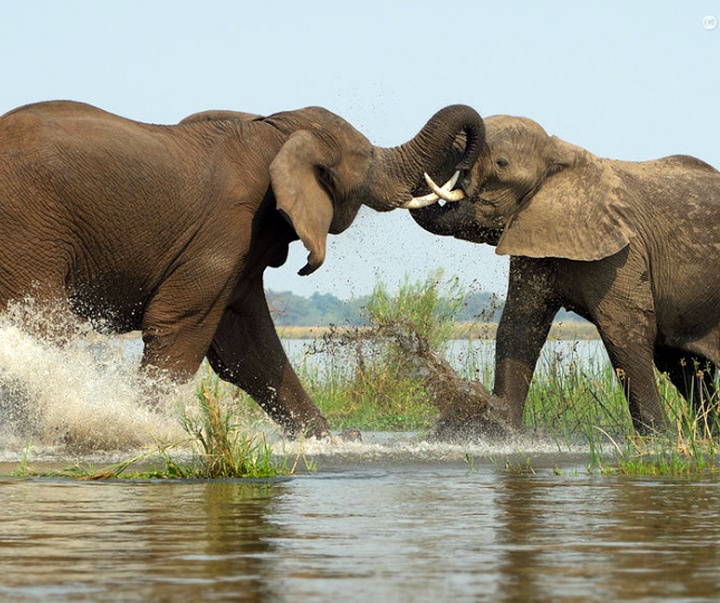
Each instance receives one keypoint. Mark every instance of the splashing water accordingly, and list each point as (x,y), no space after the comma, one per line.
(81,392)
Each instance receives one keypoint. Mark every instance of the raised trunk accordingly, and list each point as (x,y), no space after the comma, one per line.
(452,139)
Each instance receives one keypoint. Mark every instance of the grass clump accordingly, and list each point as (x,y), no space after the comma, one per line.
(690,449)
(572,398)
(223,448)
(685,455)
(376,396)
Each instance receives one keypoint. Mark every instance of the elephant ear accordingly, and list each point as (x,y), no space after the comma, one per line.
(300,197)
(579,213)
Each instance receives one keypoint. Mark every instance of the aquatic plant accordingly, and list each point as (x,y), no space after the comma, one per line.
(223,448)
(691,449)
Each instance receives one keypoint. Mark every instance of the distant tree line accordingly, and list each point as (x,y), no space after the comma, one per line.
(324,309)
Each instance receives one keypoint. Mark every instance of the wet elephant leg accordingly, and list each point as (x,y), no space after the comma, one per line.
(617,293)
(634,368)
(247,351)
(174,343)
(627,328)
(523,329)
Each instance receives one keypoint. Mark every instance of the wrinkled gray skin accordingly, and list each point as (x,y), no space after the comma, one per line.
(168,229)
(633,247)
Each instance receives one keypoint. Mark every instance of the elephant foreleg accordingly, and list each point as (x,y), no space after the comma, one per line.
(247,351)
(175,343)
(523,329)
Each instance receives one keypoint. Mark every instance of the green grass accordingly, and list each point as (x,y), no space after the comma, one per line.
(691,448)
(366,383)
(375,396)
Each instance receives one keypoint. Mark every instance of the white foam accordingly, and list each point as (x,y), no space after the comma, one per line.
(404,447)
(83,394)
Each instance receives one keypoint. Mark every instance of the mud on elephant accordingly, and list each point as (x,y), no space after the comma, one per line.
(168,229)
(633,247)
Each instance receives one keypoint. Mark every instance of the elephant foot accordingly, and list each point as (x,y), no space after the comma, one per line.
(471,419)
(348,435)
(315,427)
(458,428)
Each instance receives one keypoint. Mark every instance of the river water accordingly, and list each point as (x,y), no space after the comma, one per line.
(377,528)
(391,518)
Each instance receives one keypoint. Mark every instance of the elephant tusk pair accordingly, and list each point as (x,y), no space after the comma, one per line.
(444,192)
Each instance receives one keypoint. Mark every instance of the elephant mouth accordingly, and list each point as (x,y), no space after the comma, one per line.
(446,192)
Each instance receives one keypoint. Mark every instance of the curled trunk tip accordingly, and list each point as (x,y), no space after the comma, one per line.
(464,120)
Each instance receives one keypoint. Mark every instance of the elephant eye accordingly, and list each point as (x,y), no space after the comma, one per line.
(502,162)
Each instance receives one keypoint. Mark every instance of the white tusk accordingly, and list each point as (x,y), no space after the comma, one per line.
(418,202)
(455,195)
(445,191)
(449,185)
(433,187)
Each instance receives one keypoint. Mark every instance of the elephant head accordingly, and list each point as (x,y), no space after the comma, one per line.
(326,169)
(536,195)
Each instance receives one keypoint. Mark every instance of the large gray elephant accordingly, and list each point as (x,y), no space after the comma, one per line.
(168,229)
(633,247)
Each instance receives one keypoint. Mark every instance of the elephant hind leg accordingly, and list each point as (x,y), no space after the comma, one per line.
(692,375)
(634,367)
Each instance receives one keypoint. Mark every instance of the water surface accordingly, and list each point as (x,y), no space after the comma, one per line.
(373,522)
(391,518)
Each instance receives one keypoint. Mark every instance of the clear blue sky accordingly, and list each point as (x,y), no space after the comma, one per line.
(628,80)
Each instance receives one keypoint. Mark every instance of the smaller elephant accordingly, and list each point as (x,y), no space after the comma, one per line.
(633,247)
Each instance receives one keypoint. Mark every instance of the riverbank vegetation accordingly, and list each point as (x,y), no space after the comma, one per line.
(306,317)
(382,377)
(392,373)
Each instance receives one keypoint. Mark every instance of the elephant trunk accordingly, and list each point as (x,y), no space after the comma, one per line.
(453,139)
(438,219)
(444,131)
